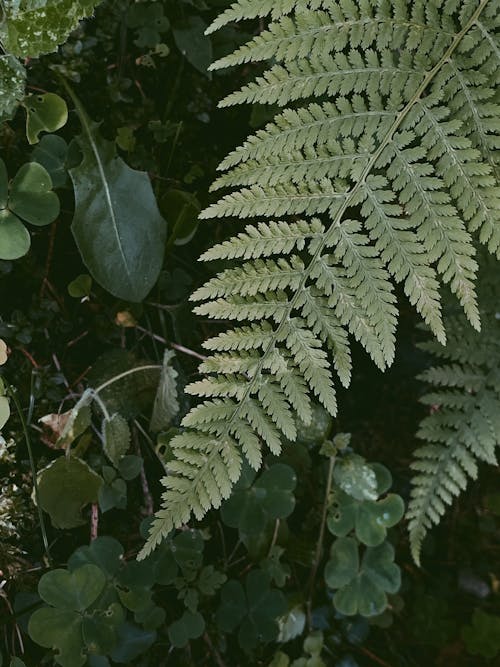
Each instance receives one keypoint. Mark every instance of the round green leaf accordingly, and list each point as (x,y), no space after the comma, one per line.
(373,519)
(80,286)
(355,477)
(74,591)
(4,411)
(4,184)
(189,626)
(51,153)
(44,113)
(132,641)
(116,437)
(104,552)
(15,240)
(31,196)
(343,564)
(64,487)
(60,630)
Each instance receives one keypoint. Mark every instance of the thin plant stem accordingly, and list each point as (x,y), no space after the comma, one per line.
(12,393)
(319,544)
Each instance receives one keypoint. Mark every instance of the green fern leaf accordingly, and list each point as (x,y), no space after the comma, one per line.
(382,167)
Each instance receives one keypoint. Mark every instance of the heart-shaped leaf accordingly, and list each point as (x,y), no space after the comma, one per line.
(65,487)
(100,630)
(60,630)
(132,641)
(15,240)
(44,113)
(31,197)
(73,591)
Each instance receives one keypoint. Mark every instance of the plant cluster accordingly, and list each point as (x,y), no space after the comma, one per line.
(179,489)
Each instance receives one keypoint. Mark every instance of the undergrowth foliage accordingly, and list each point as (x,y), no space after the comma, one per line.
(381,168)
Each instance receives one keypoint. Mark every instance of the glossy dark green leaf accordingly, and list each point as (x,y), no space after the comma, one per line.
(64,488)
(32,28)
(12,82)
(115,210)
(192,42)
(44,113)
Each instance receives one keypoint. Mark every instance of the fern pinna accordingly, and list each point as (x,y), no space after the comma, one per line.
(463,424)
(381,168)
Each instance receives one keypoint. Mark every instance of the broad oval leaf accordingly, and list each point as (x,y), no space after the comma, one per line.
(117,225)
(12,81)
(32,28)
(4,411)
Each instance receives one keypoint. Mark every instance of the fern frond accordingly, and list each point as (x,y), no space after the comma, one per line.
(463,427)
(381,168)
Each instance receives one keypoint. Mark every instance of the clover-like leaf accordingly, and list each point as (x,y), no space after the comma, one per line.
(361,588)
(369,519)
(99,630)
(482,636)
(255,609)
(60,630)
(132,641)
(12,82)
(189,626)
(44,113)
(72,591)
(65,486)
(104,552)
(252,506)
(354,476)
(187,549)
(149,22)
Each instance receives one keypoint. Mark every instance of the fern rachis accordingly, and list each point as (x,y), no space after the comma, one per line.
(382,150)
